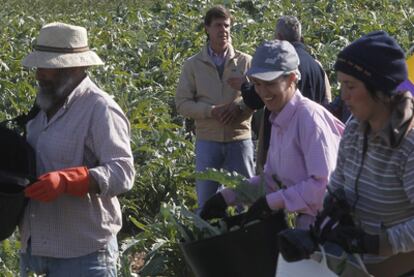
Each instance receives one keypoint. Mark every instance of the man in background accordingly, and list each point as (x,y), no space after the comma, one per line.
(222,121)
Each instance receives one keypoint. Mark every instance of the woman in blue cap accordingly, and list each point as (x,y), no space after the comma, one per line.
(375,166)
(303,144)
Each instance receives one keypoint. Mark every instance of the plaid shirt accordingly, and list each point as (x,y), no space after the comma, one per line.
(90,129)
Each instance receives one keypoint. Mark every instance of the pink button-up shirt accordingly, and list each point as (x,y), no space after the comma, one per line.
(302,155)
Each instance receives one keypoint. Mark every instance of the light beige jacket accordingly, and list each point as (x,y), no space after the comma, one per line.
(200,88)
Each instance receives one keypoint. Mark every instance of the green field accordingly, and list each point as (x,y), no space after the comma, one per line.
(144,44)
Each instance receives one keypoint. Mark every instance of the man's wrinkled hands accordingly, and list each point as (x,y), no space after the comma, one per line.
(226,113)
(236,82)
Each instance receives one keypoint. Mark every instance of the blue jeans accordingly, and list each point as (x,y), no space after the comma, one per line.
(231,156)
(100,263)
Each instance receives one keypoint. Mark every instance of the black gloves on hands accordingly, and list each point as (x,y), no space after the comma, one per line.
(296,244)
(335,224)
(354,240)
(336,212)
(258,210)
(215,207)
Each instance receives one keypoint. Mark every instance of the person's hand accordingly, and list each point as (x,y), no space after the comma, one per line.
(218,110)
(296,244)
(258,210)
(226,114)
(215,207)
(73,181)
(231,114)
(236,82)
(336,211)
(354,240)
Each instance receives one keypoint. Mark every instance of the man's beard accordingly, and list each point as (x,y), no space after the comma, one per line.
(48,96)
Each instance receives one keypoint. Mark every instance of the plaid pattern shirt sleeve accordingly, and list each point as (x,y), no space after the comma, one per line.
(89,130)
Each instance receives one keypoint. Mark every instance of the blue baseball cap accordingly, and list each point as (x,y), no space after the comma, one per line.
(273,59)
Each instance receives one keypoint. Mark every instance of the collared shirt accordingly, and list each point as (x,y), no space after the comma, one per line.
(218,59)
(378,179)
(302,154)
(89,130)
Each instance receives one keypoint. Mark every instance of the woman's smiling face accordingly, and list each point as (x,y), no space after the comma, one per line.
(275,93)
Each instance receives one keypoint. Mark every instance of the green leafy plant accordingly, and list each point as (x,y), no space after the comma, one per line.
(144,44)
(245,192)
(9,257)
(160,241)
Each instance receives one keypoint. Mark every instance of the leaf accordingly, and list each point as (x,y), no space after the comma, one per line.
(228,179)
(245,192)
(137,223)
(154,266)
(127,244)
(172,219)
(201,223)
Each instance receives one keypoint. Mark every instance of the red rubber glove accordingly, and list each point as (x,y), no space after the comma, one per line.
(73,181)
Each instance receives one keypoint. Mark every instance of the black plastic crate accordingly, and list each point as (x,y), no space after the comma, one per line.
(249,251)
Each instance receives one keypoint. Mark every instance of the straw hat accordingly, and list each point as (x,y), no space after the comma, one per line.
(61,45)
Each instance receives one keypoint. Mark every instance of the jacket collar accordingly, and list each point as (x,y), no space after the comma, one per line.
(206,57)
(400,122)
(298,44)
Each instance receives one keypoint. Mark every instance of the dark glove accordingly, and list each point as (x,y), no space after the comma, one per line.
(258,210)
(215,207)
(354,240)
(296,244)
(336,206)
(336,211)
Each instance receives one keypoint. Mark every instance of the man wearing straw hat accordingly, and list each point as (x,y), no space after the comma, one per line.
(82,142)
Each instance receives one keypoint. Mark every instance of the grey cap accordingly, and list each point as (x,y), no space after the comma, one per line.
(273,59)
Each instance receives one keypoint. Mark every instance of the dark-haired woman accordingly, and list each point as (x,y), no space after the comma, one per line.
(375,164)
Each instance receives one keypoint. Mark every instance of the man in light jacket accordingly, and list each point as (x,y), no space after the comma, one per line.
(222,121)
